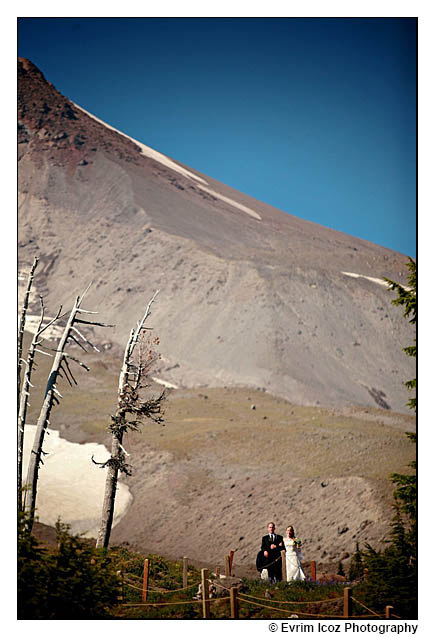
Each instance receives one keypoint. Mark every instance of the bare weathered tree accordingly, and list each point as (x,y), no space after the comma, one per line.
(131,409)
(25,390)
(23,322)
(52,395)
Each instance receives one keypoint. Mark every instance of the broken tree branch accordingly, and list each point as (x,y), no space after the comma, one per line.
(69,375)
(70,356)
(73,338)
(85,339)
(51,322)
(95,323)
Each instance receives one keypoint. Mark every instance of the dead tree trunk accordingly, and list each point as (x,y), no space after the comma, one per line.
(25,391)
(115,463)
(23,323)
(51,396)
(128,402)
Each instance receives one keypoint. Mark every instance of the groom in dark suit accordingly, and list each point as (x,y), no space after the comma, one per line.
(272,545)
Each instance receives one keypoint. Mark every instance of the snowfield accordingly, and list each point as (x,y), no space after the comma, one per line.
(70,485)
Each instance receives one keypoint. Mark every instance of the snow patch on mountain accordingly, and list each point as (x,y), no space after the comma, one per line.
(166,161)
(166,384)
(245,209)
(147,151)
(380,282)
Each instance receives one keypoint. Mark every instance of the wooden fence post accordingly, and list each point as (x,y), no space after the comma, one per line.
(234,612)
(227,564)
(231,554)
(283,553)
(388,611)
(145,580)
(185,571)
(217,571)
(313,570)
(205,593)
(347,602)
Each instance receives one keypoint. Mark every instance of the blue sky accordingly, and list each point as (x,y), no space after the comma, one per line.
(315,116)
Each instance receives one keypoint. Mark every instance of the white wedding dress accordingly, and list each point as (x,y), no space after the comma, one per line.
(294,571)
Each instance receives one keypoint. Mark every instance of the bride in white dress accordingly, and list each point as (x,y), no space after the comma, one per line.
(294,571)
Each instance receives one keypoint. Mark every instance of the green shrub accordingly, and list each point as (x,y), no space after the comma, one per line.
(75,581)
(32,568)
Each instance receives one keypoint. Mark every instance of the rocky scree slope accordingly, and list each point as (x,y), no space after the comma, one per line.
(248,300)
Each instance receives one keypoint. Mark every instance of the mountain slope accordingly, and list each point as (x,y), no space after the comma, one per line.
(249,295)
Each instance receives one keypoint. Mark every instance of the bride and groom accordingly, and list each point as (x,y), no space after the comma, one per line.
(270,556)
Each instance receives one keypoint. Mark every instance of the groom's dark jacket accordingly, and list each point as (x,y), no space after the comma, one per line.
(266,546)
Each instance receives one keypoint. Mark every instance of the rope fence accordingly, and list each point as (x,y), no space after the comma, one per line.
(171,591)
(160,604)
(364,607)
(162,591)
(302,613)
(207,590)
(299,602)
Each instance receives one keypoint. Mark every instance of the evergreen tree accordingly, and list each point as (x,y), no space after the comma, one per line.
(355,570)
(406,492)
(407,297)
(392,571)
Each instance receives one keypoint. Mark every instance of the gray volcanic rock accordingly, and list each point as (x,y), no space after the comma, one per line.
(249,295)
